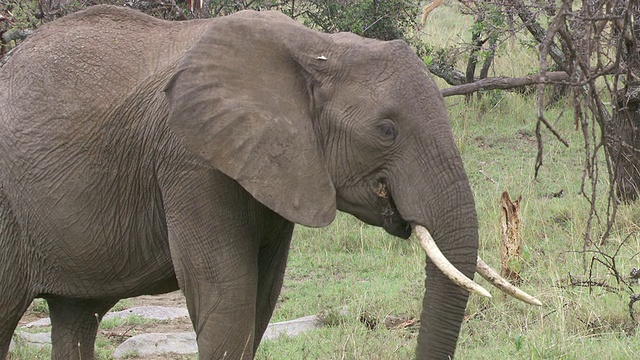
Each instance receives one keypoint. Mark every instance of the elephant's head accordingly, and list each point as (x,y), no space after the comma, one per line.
(309,123)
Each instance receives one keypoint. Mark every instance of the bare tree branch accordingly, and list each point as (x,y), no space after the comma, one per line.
(504,83)
(447,73)
(545,47)
(538,32)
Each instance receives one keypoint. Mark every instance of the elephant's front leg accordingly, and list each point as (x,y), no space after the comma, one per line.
(272,261)
(214,246)
(221,304)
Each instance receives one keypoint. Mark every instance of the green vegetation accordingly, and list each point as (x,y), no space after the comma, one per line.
(385,20)
(132,320)
(40,307)
(122,305)
(22,351)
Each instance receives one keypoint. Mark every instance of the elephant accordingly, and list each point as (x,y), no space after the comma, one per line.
(141,156)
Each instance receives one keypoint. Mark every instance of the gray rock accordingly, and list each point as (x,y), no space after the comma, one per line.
(292,328)
(185,343)
(38,323)
(37,340)
(156,344)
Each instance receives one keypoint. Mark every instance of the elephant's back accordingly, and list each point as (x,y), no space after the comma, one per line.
(73,71)
(73,79)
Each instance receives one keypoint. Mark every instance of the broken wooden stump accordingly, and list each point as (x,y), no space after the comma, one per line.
(511,244)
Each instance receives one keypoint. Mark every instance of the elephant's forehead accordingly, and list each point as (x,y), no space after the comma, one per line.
(395,85)
(386,75)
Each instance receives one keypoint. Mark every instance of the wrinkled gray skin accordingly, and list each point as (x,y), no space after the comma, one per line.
(139,156)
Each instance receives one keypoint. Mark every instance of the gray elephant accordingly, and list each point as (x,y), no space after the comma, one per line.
(139,156)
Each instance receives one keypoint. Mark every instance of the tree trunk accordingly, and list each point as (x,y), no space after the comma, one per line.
(622,142)
(476,46)
(538,33)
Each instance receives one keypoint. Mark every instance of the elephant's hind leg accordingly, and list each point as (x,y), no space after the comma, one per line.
(74,325)
(11,310)
(16,294)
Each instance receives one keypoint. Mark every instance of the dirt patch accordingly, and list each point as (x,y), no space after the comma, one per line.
(172,299)
(521,138)
(30,315)
(121,333)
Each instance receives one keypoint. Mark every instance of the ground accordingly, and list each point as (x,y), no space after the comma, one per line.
(120,332)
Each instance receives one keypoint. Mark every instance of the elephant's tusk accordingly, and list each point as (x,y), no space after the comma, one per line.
(505,286)
(441,262)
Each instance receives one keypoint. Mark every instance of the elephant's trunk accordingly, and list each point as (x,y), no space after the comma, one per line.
(444,301)
(433,191)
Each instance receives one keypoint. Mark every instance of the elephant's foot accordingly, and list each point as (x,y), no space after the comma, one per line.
(74,326)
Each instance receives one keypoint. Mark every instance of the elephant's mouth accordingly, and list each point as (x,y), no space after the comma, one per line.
(392,222)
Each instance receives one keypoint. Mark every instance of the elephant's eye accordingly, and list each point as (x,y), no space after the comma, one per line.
(388,130)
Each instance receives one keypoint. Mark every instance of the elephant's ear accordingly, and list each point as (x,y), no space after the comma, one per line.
(242,100)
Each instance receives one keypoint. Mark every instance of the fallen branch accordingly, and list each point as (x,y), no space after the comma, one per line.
(448,74)
(504,82)
(487,176)
(590,284)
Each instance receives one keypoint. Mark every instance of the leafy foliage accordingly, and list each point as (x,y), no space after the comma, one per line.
(384,20)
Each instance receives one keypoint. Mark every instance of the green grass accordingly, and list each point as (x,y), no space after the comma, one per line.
(132,320)
(23,351)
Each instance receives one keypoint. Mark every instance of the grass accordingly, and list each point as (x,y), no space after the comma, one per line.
(23,351)
(361,268)
(131,320)
(41,307)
